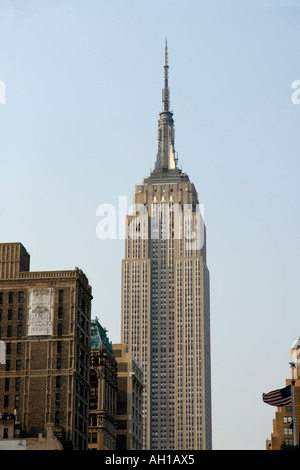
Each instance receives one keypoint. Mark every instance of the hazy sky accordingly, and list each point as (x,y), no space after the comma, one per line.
(80,96)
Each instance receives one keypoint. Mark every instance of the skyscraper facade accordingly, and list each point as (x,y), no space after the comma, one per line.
(165,299)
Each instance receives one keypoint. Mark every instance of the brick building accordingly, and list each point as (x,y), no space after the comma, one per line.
(45,325)
(103,391)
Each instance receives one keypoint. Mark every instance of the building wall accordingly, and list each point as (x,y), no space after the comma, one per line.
(103,397)
(10,437)
(45,324)
(129,401)
(166,315)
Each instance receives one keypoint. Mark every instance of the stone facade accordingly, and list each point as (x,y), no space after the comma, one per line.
(103,391)
(129,401)
(45,325)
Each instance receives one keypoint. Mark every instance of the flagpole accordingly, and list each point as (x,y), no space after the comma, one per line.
(294,413)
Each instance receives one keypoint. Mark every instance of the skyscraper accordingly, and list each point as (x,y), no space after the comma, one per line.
(165,299)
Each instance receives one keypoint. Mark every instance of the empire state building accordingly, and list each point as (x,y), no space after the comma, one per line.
(165,299)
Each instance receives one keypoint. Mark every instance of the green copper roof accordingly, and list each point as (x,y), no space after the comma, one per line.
(99,337)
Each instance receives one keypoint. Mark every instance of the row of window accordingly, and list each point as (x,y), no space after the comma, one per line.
(21,311)
(20,296)
(7,383)
(9,331)
(11,297)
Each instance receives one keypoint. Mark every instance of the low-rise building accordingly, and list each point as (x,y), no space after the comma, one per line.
(12,438)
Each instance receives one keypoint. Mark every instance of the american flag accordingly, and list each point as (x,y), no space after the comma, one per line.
(280,397)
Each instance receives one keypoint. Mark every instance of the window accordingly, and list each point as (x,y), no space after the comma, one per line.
(19,348)
(21,297)
(10,297)
(93,420)
(6,401)
(9,331)
(19,333)
(17,401)
(20,313)
(17,384)
(1,297)
(18,364)
(59,346)
(58,363)
(58,381)
(57,399)
(61,295)
(9,314)
(59,329)
(60,312)
(6,386)
(8,348)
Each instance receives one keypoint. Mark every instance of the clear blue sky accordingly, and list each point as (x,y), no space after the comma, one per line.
(79,128)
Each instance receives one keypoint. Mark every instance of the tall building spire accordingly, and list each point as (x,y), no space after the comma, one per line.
(165,158)
(166,91)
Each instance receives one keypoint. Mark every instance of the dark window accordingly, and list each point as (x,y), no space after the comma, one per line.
(56,417)
(19,348)
(9,331)
(121,424)
(6,386)
(60,312)
(6,401)
(20,313)
(18,364)
(58,363)
(21,297)
(1,297)
(57,399)
(9,314)
(19,331)
(17,401)
(93,420)
(59,329)
(17,386)
(59,346)
(0,314)
(8,348)
(10,297)
(61,296)
(58,381)
(5,433)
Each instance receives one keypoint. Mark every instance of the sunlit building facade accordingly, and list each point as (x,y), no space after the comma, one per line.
(165,300)
(45,328)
